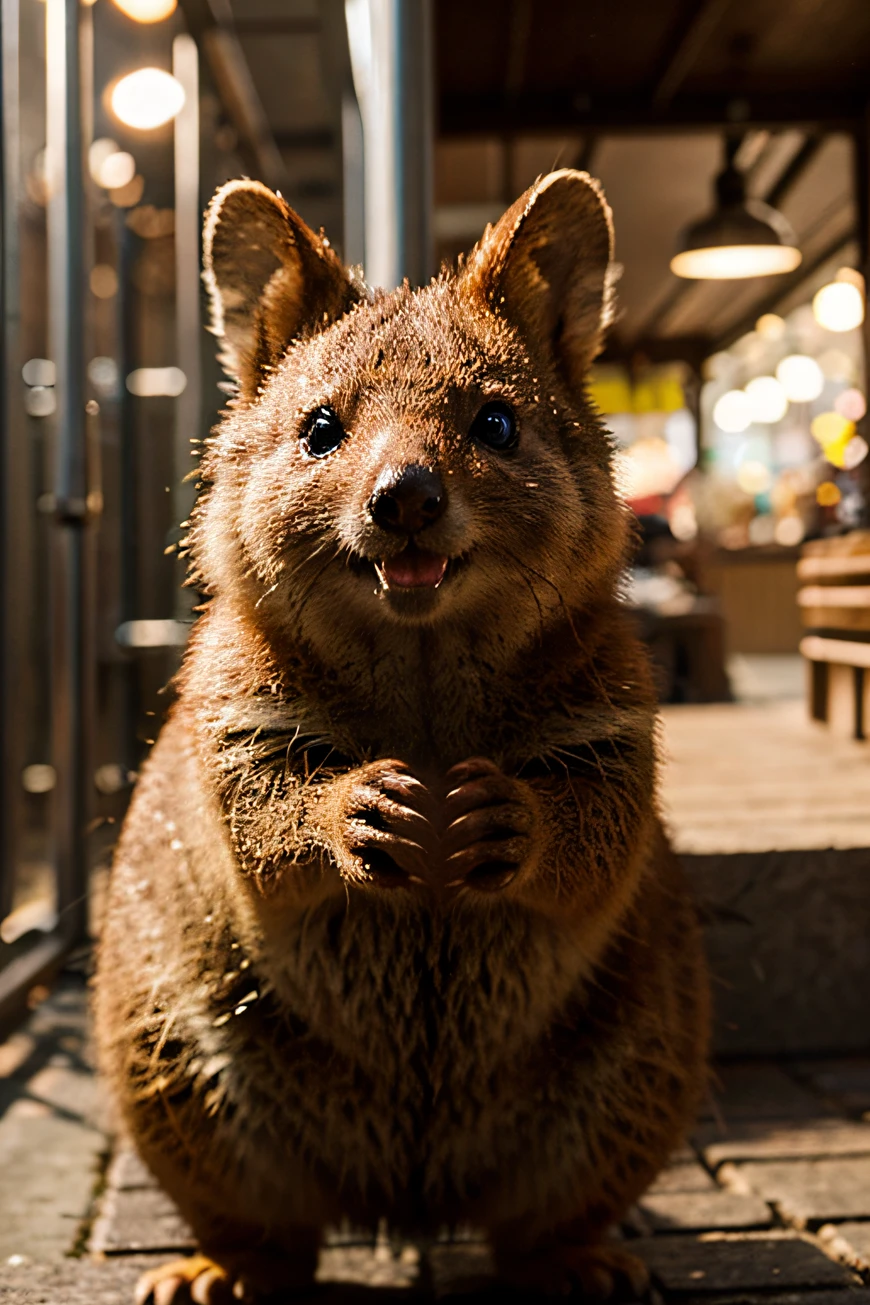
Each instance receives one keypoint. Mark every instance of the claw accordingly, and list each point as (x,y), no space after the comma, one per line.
(195,1278)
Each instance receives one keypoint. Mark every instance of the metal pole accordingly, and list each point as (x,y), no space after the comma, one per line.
(391,55)
(66,269)
(16,534)
(353,180)
(128,512)
(188,325)
(347,122)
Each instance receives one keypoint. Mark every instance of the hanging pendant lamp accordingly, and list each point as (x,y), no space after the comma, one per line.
(741,238)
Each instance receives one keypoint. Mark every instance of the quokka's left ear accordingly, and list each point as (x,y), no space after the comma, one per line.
(547,267)
(270,280)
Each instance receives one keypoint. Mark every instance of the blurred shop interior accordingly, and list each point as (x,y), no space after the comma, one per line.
(732,138)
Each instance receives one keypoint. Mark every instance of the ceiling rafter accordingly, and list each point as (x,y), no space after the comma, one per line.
(684,54)
(477,114)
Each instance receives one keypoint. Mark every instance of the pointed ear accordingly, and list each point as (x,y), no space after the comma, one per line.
(547,267)
(269,278)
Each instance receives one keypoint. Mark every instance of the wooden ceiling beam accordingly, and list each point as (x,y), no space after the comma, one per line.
(684,54)
(534,111)
(793,171)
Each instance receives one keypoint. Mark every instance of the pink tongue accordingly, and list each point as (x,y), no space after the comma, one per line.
(415,569)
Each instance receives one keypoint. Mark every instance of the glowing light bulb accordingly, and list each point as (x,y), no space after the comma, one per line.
(733,412)
(839,306)
(147,98)
(801,378)
(768,401)
(147,11)
(735,262)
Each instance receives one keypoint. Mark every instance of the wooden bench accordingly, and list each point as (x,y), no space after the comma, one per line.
(834,602)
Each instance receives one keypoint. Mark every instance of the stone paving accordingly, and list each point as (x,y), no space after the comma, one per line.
(769,1201)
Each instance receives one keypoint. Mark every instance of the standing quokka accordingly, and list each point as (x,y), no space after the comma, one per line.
(394,930)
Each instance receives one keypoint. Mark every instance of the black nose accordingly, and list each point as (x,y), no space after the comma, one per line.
(408,500)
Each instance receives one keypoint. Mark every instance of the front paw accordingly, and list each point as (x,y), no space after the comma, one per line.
(384,830)
(491,821)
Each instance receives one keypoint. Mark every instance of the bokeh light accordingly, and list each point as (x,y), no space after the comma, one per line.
(147,99)
(753,477)
(789,531)
(147,11)
(828,494)
(839,306)
(836,365)
(768,402)
(683,522)
(100,150)
(834,432)
(128,196)
(733,412)
(830,426)
(801,377)
(855,452)
(104,281)
(770,327)
(851,404)
(118,169)
(148,382)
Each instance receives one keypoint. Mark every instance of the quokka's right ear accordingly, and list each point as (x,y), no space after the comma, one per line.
(270,280)
(547,265)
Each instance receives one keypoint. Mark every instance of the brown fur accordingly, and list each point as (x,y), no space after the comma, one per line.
(296,1029)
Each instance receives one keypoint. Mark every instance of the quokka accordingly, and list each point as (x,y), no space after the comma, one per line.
(394,930)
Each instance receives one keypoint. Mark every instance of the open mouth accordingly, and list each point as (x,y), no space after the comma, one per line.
(413,568)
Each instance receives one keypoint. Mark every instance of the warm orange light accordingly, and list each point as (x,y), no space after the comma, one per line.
(147,98)
(735,262)
(839,306)
(147,11)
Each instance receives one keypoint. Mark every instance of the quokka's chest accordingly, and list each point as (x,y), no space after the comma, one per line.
(414,1106)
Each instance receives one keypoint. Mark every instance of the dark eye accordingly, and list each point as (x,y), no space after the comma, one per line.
(323,434)
(495,426)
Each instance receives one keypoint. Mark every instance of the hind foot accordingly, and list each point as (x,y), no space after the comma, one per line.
(246,1276)
(600,1272)
(194,1280)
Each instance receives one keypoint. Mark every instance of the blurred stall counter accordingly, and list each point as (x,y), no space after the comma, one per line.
(757,592)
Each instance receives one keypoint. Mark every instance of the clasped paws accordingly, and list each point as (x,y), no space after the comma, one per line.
(475,831)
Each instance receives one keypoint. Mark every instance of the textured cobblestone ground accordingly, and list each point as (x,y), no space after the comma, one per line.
(769,1201)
